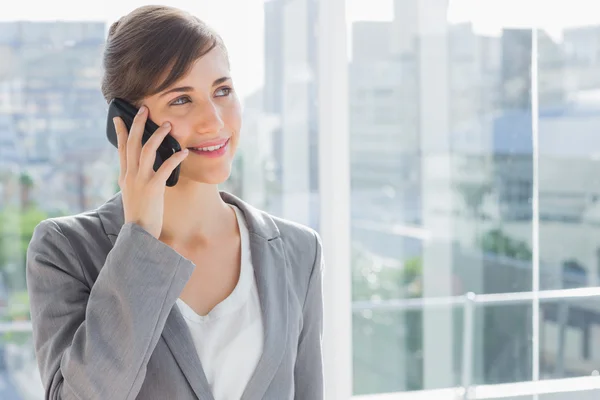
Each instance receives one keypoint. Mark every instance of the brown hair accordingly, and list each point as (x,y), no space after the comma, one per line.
(146,43)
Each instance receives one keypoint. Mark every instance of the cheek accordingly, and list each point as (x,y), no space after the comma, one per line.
(235,127)
(181,128)
(232,117)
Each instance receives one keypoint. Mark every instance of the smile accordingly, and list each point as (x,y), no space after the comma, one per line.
(216,150)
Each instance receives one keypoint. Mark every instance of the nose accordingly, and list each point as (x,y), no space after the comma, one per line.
(208,119)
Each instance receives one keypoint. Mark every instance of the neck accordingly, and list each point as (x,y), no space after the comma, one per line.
(194,214)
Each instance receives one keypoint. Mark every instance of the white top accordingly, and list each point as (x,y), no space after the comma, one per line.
(229,339)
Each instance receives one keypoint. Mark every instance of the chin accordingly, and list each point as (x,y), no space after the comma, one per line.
(207,177)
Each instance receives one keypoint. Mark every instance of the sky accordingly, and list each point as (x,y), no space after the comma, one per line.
(241,22)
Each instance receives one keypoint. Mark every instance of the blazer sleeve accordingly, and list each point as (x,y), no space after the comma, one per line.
(95,343)
(308,371)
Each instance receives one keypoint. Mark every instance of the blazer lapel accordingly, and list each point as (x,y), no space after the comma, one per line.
(270,269)
(179,340)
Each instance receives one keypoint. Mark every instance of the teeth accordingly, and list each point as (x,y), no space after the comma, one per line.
(209,148)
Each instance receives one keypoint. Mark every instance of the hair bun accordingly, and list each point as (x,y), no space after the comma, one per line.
(113,28)
(149,43)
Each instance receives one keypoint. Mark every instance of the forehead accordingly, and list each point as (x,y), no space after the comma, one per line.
(205,70)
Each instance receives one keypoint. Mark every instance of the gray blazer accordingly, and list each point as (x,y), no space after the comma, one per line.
(105,327)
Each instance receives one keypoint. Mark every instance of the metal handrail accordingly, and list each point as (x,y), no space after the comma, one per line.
(469,301)
(484,299)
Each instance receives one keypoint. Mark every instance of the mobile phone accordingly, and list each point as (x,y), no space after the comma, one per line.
(169,146)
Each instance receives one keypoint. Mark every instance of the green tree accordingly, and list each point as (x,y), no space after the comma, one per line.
(26,185)
(496,242)
(16,230)
(473,194)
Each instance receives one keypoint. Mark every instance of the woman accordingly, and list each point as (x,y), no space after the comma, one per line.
(180,292)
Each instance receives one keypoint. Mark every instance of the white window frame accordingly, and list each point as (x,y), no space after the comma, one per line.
(334,178)
(334,193)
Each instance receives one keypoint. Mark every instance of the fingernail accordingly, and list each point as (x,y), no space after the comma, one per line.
(185,151)
(167,124)
(142,109)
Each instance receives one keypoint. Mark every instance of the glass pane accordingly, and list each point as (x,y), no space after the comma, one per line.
(441,181)
(54,159)
(285,115)
(569,83)
(503,332)
(396,336)
(569,338)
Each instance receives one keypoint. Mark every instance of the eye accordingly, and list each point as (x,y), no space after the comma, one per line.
(224,91)
(179,102)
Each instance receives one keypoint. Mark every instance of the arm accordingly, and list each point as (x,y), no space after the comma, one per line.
(308,371)
(95,343)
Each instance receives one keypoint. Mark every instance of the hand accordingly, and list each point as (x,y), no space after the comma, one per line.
(143,189)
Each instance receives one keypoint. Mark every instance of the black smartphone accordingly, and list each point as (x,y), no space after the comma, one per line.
(127,111)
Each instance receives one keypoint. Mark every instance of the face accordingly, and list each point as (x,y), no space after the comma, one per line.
(205,116)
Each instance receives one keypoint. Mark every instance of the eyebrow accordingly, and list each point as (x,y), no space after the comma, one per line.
(191,89)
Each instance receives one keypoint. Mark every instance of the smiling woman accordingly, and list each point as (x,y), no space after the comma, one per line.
(184,291)
(180,71)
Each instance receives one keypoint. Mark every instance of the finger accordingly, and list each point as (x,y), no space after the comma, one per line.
(163,173)
(121,146)
(148,155)
(134,140)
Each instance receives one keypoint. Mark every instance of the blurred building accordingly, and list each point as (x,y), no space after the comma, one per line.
(50,79)
(441,138)
(569,116)
(253,175)
(290,96)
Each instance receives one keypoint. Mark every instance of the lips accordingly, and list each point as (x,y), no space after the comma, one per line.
(209,143)
(216,152)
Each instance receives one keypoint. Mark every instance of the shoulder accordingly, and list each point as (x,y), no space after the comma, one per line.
(88,228)
(69,243)
(298,237)
(301,243)
(303,253)
(69,229)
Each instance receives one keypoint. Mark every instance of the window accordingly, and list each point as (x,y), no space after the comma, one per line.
(457,307)
(445,149)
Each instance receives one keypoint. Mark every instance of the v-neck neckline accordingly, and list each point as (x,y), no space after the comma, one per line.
(238,296)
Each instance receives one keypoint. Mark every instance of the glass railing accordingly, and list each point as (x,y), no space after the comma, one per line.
(569,321)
